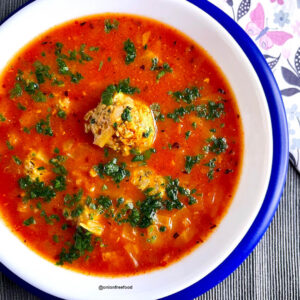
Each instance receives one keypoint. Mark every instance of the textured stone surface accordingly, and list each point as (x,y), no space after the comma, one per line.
(270,272)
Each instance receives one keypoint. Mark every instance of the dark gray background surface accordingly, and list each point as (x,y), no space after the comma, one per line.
(270,272)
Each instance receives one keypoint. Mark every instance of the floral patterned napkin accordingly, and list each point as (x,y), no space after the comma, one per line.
(274,25)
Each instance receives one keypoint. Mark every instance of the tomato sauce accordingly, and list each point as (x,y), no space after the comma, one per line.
(120,249)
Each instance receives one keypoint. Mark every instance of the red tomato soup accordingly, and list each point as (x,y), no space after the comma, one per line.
(121,145)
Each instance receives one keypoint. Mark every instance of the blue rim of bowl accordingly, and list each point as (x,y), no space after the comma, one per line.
(279,164)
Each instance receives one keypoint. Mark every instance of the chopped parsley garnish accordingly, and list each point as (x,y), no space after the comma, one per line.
(21,107)
(188,95)
(173,190)
(17,160)
(180,112)
(36,189)
(41,72)
(29,221)
(194,125)
(162,228)
(130,52)
(39,97)
(31,88)
(94,49)
(49,219)
(71,200)
(190,161)
(188,134)
(113,170)
(126,115)
(123,86)
(17,91)
(62,66)
(2,118)
(210,111)
(217,145)
(155,107)
(82,244)
(44,127)
(162,69)
(100,65)
(77,211)
(147,133)
(26,130)
(211,164)
(83,55)
(110,25)
(62,114)
(9,145)
(59,183)
(76,77)
(57,162)
(55,238)
(143,157)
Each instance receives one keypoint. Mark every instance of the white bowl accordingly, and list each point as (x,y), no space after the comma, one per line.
(39,16)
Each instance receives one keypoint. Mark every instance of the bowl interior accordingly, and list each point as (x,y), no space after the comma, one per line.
(22,27)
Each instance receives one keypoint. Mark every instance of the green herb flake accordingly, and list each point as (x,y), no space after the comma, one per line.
(112,169)
(162,228)
(106,152)
(26,130)
(188,95)
(110,25)
(64,226)
(17,160)
(211,164)
(62,114)
(2,118)
(144,156)
(39,97)
(55,238)
(94,49)
(17,91)
(84,56)
(161,69)
(41,72)
(82,244)
(190,161)
(21,107)
(147,133)
(217,145)
(188,134)
(100,65)
(29,221)
(123,86)
(130,52)
(36,189)
(126,115)
(9,145)
(44,127)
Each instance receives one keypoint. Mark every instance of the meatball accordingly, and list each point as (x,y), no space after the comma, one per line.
(126,124)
